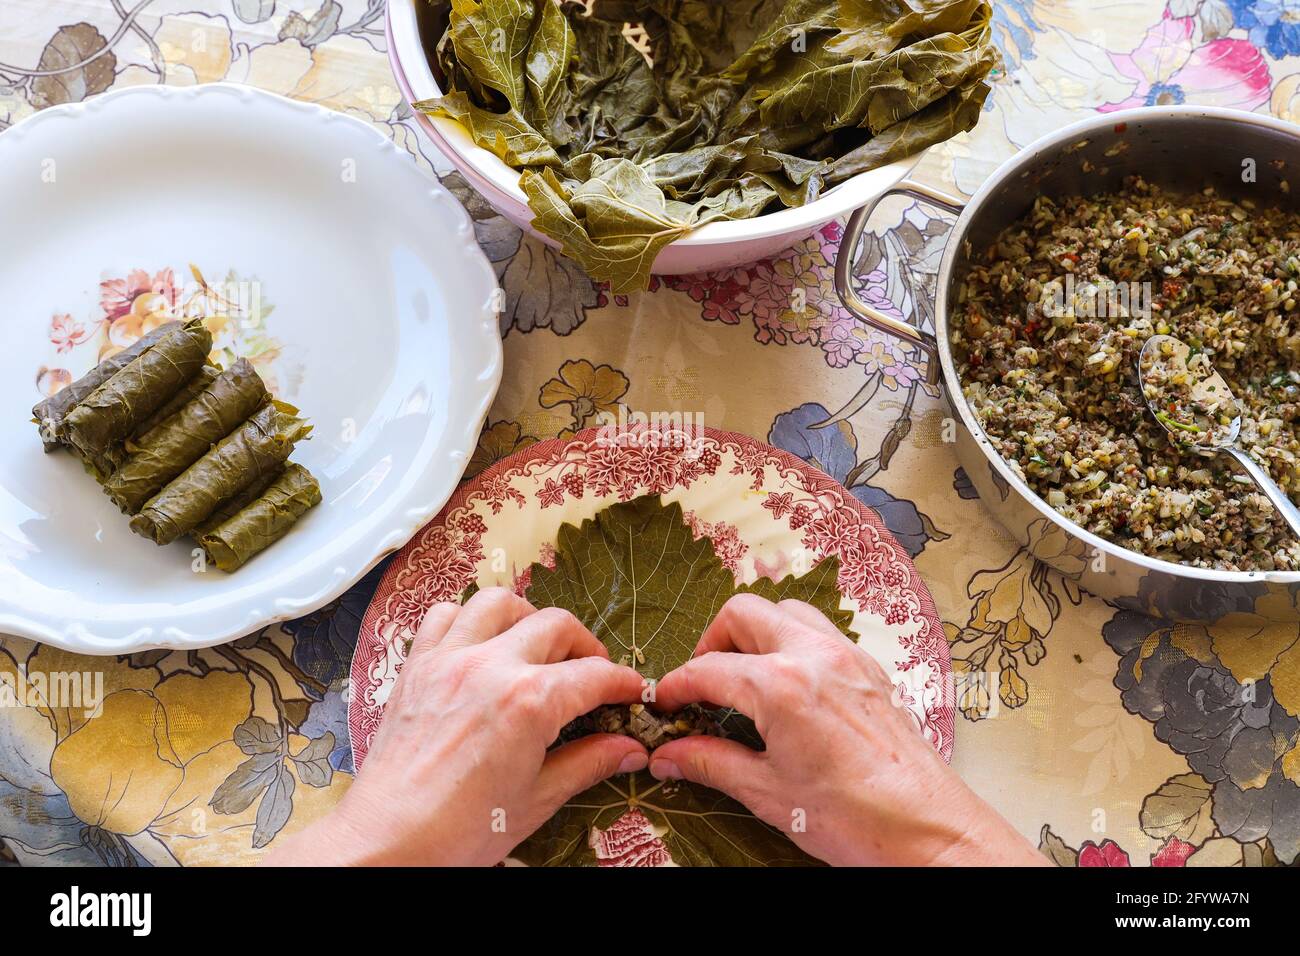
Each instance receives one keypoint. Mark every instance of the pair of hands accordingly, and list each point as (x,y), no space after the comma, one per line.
(460,774)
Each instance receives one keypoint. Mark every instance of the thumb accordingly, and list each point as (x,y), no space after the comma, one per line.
(739,772)
(583,763)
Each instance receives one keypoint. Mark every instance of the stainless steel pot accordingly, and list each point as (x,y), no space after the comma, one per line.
(1179,148)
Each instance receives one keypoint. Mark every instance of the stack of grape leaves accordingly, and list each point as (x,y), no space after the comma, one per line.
(636,576)
(633,122)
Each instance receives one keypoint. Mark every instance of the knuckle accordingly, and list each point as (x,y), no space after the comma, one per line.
(556,618)
(455,670)
(496,595)
(528,693)
(795,605)
(744,604)
(790,681)
(866,664)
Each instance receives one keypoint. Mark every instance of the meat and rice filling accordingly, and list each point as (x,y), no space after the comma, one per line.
(1047,337)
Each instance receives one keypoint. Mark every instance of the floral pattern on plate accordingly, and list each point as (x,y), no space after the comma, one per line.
(133,305)
(767,513)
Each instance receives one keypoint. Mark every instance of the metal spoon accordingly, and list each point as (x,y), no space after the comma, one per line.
(1215,413)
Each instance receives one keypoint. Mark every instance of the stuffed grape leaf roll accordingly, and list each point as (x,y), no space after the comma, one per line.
(262,522)
(145,384)
(163,452)
(234,505)
(246,455)
(103,466)
(207,375)
(50,412)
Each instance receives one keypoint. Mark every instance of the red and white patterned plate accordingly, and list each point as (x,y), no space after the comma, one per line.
(766,511)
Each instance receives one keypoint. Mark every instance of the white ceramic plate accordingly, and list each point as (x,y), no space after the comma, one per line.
(356,287)
(716,245)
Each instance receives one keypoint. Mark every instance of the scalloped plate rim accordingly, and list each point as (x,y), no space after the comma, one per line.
(407,516)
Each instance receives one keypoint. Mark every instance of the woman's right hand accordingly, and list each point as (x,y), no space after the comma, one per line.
(846,774)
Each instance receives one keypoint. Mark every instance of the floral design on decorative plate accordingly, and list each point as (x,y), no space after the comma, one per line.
(132,306)
(766,512)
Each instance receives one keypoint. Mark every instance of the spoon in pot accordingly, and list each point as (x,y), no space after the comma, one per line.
(1193,403)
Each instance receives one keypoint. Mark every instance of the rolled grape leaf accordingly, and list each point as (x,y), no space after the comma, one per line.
(638,578)
(237,503)
(264,521)
(166,450)
(102,466)
(145,384)
(50,412)
(207,375)
(246,455)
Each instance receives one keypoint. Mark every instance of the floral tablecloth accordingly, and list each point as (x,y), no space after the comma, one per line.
(1108,737)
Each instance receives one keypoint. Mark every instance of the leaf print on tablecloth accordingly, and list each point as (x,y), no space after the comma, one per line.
(313,761)
(264,777)
(1179,808)
(1235,735)
(1110,739)
(314,31)
(543,289)
(640,580)
(254,11)
(1272,649)
(1055,849)
(499,440)
(78,69)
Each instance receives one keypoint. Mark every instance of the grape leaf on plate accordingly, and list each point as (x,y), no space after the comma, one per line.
(638,578)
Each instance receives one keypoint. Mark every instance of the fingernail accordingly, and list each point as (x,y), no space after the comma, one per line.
(632,762)
(664,769)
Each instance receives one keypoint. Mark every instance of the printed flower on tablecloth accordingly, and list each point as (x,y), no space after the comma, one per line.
(1174,853)
(1272,25)
(174,767)
(1107,854)
(1211,696)
(791,299)
(1015,607)
(1213,852)
(589,391)
(1170,68)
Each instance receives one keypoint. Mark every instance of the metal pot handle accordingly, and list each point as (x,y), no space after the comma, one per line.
(844,264)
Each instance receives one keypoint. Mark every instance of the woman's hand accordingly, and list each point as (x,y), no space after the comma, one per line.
(845,774)
(459,773)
